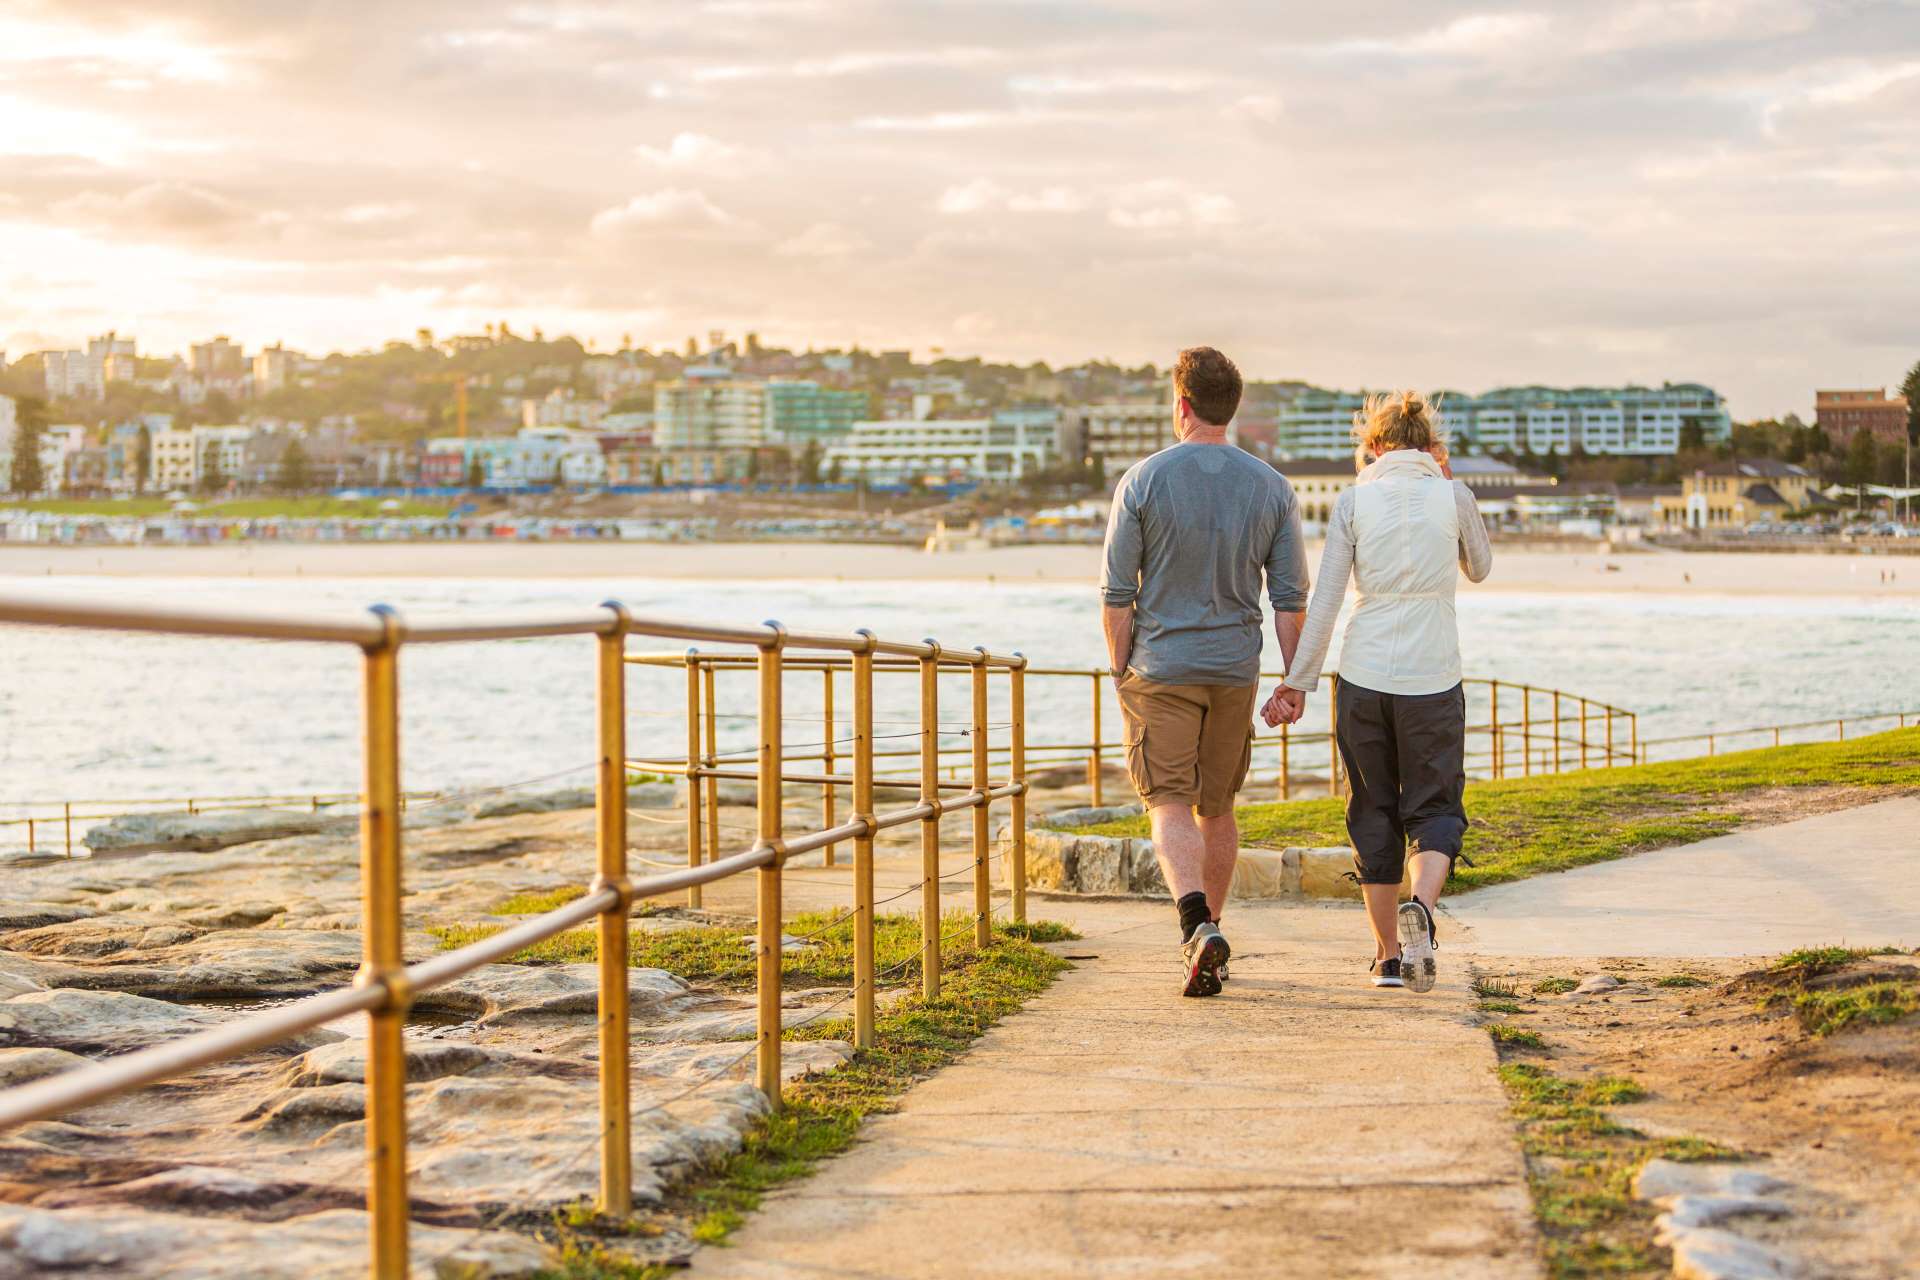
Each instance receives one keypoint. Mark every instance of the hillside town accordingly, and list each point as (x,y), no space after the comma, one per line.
(497,417)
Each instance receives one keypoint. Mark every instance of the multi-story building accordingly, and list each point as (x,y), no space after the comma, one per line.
(1116,433)
(997,450)
(561,408)
(274,368)
(800,411)
(1843,413)
(172,464)
(220,454)
(710,412)
(216,361)
(1731,494)
(85,373)
(1630,420)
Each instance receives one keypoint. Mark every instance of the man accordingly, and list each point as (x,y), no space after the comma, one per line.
(1191,531)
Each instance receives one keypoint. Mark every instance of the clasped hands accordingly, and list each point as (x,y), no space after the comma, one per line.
(1286,706)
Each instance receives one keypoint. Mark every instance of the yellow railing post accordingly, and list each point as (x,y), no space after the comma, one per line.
(1556,731)
(827,789)
(1583,733)
(863,846)
(930,826)
(1609,736)
(67,810)
(1096,787)
(1633,727)
(982,886)
(712,762)
(383,962)
(694,780)
(767,878)
(1498,747)
(1017,765)
(1526,731)
(1286,763)
(610,826)
(31,846)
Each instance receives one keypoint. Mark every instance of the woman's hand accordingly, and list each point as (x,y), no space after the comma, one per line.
(1286,706)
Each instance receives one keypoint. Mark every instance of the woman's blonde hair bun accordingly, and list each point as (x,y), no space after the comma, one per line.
(1396,420)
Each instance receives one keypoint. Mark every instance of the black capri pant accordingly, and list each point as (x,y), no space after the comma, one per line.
(1405,757)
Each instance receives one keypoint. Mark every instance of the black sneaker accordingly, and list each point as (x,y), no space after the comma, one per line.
(1418,942)
(1201,957)
(1386,973)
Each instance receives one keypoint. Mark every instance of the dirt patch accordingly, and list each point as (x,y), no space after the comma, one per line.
(1774,805)
(1725,1055)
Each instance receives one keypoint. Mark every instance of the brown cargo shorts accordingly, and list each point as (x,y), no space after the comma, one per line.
(1187,744)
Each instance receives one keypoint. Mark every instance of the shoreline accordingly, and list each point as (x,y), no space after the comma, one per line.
(1516,569)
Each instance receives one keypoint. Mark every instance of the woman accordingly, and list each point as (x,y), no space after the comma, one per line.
(1400,713)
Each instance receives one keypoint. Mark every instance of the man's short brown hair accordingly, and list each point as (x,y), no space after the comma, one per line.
(1209,382)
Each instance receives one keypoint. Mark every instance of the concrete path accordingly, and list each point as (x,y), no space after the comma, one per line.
(1301,1124)
(1844,877)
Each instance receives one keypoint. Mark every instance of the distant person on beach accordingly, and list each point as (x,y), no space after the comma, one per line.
(1192,531)
(1399,710)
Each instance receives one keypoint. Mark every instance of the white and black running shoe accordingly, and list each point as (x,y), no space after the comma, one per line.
(1226,954)
(1418,942)
(1386,973)
(1200,958)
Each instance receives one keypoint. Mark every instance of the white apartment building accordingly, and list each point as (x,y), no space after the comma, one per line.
(85,373)
(561,408)
(221,447)
(999,450)
(710,413)
(1119,433)
(171,465)
(1631,420)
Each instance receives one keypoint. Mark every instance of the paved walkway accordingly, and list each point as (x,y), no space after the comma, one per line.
(1844,877)
(1302,1124)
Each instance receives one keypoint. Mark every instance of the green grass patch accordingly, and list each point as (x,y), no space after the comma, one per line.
(1495,989)
(823,1113)
(1525,826)
(1508,1034)
(533,904)
(1809,962)
(1580,1169)
(724,953)
(1499,1006)
(1554,986)
(1822,1013)
(1680,980)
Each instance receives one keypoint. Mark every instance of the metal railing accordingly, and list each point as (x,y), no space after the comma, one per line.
(386,985)
(1713,738)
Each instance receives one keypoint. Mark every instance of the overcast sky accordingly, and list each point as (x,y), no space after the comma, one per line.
(1422,193)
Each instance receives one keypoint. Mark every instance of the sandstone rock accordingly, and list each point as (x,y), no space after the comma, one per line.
(34,915)
(136,1245)
(1702,1253)
(317,1108)
(1324,871)
(202,831)
(186,1188)
(1684,1212)
(103,935)
(1662,1178)
(107,1022)
(19,1066)
(496,994)
(1596,984)
(346,1062)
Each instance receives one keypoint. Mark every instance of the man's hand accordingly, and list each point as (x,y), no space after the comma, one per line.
(1286,706)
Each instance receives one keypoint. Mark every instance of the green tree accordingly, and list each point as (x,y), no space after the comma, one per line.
(833,472)
(810,463)
(476,474)
(143,459)
(295,469)
(1862,457)
(1693,435)
(30,425)
(212,478)
(1911,390)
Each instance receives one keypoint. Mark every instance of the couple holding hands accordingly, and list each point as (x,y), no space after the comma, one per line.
(1192,532)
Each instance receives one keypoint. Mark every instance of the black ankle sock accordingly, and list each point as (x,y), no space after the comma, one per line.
(1193,913)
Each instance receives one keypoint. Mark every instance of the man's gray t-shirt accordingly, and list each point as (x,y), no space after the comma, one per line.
(1191,531)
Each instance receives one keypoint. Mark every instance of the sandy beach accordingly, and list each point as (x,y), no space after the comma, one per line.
(1515,569)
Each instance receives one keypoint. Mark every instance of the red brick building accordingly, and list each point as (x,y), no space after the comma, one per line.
(1842,413)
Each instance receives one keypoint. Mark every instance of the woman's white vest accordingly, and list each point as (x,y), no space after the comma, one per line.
(1402,637)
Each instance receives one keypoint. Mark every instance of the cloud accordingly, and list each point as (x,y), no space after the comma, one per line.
(824,240)
(673,209)
(983,194)
(699,153)
(159,208)
(1163,206)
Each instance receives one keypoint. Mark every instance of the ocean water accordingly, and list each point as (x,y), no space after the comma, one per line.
(93,715)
